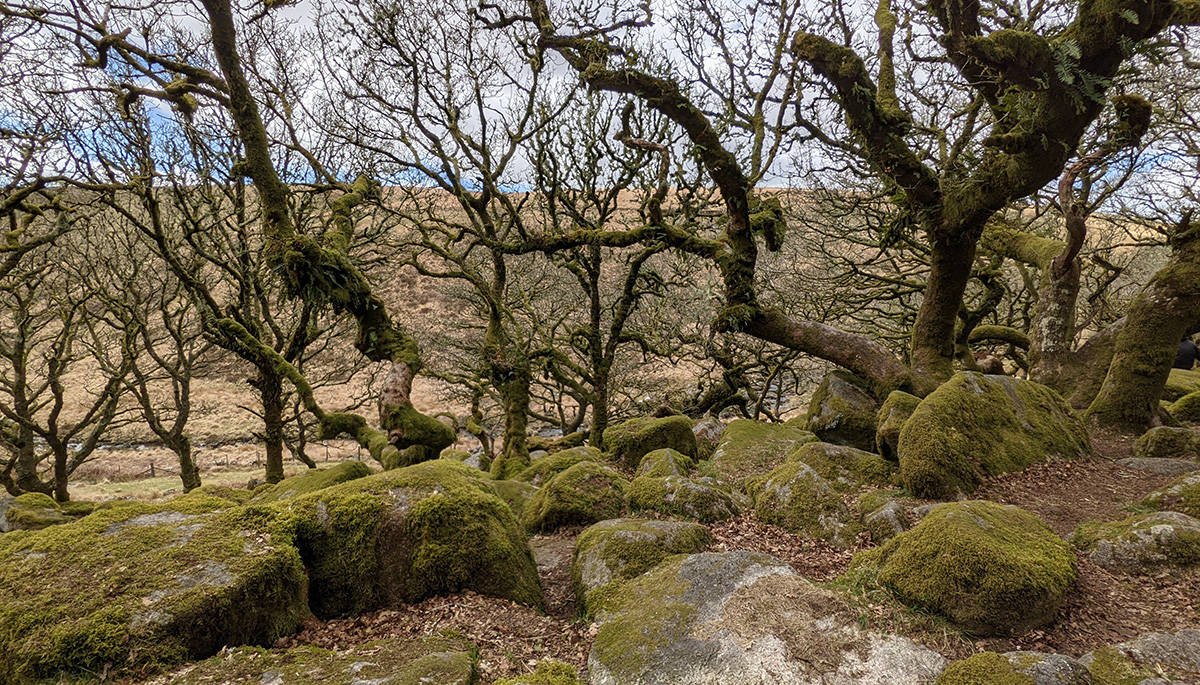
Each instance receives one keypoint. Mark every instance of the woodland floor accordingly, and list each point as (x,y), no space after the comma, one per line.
(1104,608)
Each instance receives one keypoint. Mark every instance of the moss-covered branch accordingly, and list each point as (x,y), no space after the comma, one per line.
(1005,334)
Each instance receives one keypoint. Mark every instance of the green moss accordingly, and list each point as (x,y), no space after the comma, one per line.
(893,413)
(630,441)
(679,496)
(1182,495)
(871,501)
(843,411)
(985,668)
(548,672)
(795,498)
(552,445)
(408,534)
(1180,383)
(442,660)
(1132,544)
(990,568)
(549,466)
(515,494)
(664,462)
(407,427)
(485,462)
(311,481)
(1109,666)
(35,511)
(233,495)
(751,448)
(976,425)
(614,551)
(845,468)
(164,583)
(1166,442)
(77,509)
(585,493)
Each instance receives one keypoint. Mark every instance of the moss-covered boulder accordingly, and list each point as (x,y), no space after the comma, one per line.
(1150,659)
(550,466)
(890,420)
(405,535)
(976,425)
(1182,495)
(556,443)
(439,660)
(741,618)
(1143,543)
(847,469)
(795,498)
(1161,466)
(990,568)
(547,672)
(1166,442)
(1016,668)
(617,550)
(1186,409)
(133,587)
(843,411)
(753,448)
(628,442)
(33,511)
(515,494)
(700,499)
(663,463)
(583,494)
(708,433)
(1181,383)
(232,495)
(478,460)
(311,481)
(887,520)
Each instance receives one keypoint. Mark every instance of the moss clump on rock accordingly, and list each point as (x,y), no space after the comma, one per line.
(441,660)
(233,495)
(1143,543)
(976,425)
(985,668)
(843,411)
(1186,409)
(34,511)
(751,448)
(1167,442)
(700,500)
(135,587)
(663,463)
(796,498)
(1182,495)
(890,420)
(1108,666)
(845,468)
(550,466)
(405,535)
(1181,383)
(628,442)
(613,551)
(547,672)
(583,494)
(556,444)
(311,481)
(990,568)
(515,494)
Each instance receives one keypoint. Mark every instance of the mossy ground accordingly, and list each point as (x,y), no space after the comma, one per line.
(752,448)
(975,425)
(992,569)
(628,442)
(585,493)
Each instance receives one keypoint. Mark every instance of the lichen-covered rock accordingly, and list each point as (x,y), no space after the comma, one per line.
(1016,668)
(795,498)
(515,494)
(893,413)
(311,481)
(663,463)
(1142,543)
(698,499)
(708,433)
(1186,409)
(976,425)
(426,660)
(1165,467)
(847,469)
(1180,383)
(34,511)
(1182,495)
(135,586)
(628,442)
(741,618)
(990,568)
(1166,442)
(620,549)
(887,521)
(843,411)
(1149,656)
(550,466)
(548,672)
(751,448)
(404,535)
(583,494)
